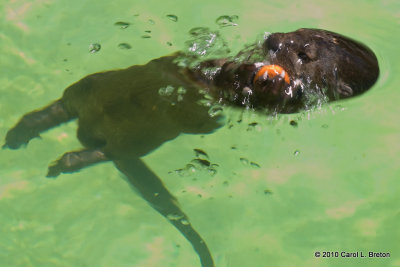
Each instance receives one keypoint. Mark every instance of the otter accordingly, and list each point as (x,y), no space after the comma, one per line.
(125,114)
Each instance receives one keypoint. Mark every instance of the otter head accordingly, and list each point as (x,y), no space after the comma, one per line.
(323,60)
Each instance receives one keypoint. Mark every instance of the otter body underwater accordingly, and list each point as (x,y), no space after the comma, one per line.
(125,114)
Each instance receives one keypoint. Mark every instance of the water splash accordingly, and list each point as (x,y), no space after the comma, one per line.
(202,44)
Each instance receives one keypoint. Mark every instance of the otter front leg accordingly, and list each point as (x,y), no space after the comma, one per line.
(76,160)
(153,190)
(36,122)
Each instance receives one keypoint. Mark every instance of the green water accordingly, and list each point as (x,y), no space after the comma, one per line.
(338,192)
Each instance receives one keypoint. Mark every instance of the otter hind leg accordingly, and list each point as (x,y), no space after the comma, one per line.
(76,160)
(154,192)
(35,122)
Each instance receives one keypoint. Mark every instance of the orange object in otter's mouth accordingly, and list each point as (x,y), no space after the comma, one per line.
(272,71)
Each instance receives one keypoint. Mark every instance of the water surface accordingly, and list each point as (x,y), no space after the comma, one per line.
(329,184)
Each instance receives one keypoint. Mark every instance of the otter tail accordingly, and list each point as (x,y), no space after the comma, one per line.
(153,190)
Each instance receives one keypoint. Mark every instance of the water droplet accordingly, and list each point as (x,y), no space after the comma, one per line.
(169,43)
(148,31)
(146,36)
(124,46)
(180,172)
(151,21)
(173,18)
(199,31)
(255,165)
(202,162)
(204,102)
(224,21)
(251,126)
(166,91)
(94,48)
(179,98)
(293,123)
(156,194)
(122,24)
(325,126)
(296,153)
(191,168)
(215,110)
(212,171)
(267,192)
(244,161)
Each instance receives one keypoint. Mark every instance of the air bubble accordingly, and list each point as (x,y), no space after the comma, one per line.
(244,161)
(202,162)
(199,31)
(185,222)
(212,171)
(267,192)
(122,24)
(166,91)
(173,18)
(200,153)
(191,168)
(152,22)
(215,111)
(255,165)
(94,48)
(296,153)
(174,217)
(146,36)
(181,90)
(204,102)
(124,46)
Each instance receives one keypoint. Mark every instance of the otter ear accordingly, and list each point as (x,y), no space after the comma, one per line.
(344,89)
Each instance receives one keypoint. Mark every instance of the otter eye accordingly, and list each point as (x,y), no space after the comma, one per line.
(303,56)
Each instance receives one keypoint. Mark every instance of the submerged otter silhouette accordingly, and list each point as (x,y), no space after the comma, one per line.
(125,114)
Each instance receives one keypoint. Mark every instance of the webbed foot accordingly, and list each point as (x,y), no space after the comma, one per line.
(74,161)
